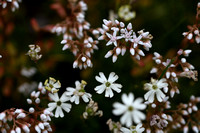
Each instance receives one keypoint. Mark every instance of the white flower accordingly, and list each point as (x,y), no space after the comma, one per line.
(107,84)
(33,52)
(130,109)
(78,92)
(113,38)
(133,129)
(154,89)
(59,104)
(28,72)
(125,13)
(127,33)
(51,85)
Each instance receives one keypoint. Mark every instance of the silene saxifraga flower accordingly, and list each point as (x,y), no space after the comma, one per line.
(34,52)
(133,129)
(113,38)
(52,85)
(155,89)
(107,84)
(130,109)
(125,12)
(78,92)
(59,104)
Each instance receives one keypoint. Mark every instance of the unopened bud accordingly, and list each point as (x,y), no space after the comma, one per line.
(31,110)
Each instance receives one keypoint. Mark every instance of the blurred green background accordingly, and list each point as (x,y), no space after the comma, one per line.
(165,20)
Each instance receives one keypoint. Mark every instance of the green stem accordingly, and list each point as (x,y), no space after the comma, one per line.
(165,70)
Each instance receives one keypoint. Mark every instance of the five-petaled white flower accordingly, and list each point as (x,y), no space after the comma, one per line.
(133,129)
(113,38)
(107,84)
(51,85)
(78,92)
(130,109)
(59,104)
(154,89)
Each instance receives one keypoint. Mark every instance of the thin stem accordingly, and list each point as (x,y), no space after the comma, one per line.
(165,70)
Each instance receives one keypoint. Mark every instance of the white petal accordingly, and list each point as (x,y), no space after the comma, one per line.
(119,108)
(72,99)
(102,76)
(112,77)
(151,97)
(146,96)
(100,89)
(66,106)
(77,84)
(124,118)
(70,91)
(99,79)
(138,116)
(52,106)
(85,98)
(125,130)
(138,104)
(109,92)
(77,100)
(54,96)
(64,97)
(59,112)
(129,121)
(127,99)
(109,43)
(115,88)
(160,95)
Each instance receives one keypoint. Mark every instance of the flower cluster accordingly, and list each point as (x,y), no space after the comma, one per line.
(187,115)
(13,4)
(170,69)
(151,113)
(76,34)
(37,118)
(124,38)
(159,122)
(194,33)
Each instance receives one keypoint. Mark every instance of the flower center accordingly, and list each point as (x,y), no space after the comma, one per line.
(81,90)
(130,108)
(113,39)
(58,103)
(128,36)
(50,85)
(133,129)
(154,87)
(108,84)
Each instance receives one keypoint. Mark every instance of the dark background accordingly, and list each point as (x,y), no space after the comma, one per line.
(165,20)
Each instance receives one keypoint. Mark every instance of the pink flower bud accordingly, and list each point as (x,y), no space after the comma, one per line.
(26,129)
(2,115)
